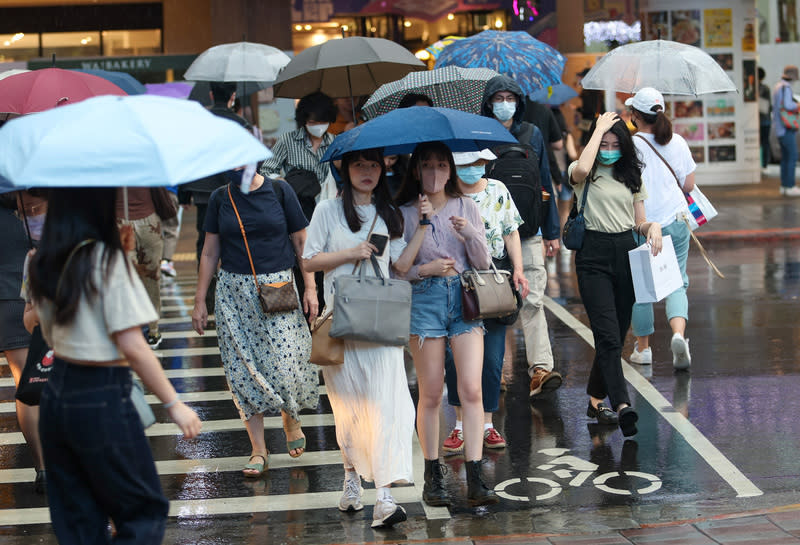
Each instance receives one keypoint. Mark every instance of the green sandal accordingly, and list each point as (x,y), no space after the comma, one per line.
(297,444)
(257,469)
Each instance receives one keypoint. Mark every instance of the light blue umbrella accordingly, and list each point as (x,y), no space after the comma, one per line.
(399,131)
(133,141)
(554,95)
(516,54)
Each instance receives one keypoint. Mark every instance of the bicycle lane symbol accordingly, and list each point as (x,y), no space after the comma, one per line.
(578,471)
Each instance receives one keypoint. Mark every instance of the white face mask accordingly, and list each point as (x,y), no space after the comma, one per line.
(504,110)
(36,225)
(317,130)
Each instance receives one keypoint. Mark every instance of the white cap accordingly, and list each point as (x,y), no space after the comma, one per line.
(469,157)
(647,100)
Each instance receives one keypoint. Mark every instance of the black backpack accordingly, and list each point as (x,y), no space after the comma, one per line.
(517,166)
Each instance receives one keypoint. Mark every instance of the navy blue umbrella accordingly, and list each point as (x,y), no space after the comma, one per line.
(123,80)
(399,131)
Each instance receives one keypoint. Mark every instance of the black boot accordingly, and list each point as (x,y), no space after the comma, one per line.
(477,493)
(433,493)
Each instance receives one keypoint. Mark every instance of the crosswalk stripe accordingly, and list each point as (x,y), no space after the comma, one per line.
(198,351)
(191,334)
(181,320)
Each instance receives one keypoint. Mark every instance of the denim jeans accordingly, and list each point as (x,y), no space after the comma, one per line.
(677,304)
(494,348)
(788,157)
(436,308)
(99,463)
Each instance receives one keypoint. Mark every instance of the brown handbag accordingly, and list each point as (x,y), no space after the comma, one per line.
(487,294)
(325,350)
(275,296)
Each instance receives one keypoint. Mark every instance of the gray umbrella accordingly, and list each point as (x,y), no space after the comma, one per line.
(348,67)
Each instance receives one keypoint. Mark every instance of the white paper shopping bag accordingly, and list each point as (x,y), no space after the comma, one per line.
(654,277)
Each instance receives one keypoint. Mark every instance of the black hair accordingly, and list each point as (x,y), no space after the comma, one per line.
(384,206)
(74,215)
(411,99)
(628,169)
(662,126)
(316,105)
(412,187)
(222,91)
(761,74)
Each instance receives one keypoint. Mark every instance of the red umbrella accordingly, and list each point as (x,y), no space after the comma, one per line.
(40,90)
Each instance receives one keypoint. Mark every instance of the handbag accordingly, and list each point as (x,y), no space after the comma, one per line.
(790,118)
(325,350)
(140,403)
(654,276)
(36,371)
(273,297)
(487,294)
(163,204)
(575,226)
(505,264)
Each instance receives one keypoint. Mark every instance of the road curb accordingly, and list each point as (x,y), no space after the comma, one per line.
(762,235)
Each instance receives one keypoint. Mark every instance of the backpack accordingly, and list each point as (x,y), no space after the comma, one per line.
(306,186)
(517,166)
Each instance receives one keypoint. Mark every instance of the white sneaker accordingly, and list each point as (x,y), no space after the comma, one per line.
(168,268)
(351,495)
(387,513)
(793,191)
(645,357)
(681,359)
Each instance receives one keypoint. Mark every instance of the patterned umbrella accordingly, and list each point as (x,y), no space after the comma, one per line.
(435,49)
(554,95)
(449,87)
(518,55)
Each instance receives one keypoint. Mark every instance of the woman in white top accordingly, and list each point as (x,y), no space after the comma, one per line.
(664,156)
(369,393)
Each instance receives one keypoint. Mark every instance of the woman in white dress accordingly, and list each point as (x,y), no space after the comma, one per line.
(369,394)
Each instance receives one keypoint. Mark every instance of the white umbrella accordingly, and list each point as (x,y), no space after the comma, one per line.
(671,67)
(238,62)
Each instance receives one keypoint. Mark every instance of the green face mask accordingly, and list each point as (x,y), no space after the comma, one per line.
(608,157)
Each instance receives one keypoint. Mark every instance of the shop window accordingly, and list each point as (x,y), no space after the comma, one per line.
(131,42)
(71,44)
(18,47)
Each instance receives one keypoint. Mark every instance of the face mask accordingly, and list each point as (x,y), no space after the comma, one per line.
(317,130)
(471,175)
(433,181)
(608,157)
(36,224)
(504,110)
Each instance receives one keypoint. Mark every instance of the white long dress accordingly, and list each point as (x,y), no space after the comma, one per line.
(372,406)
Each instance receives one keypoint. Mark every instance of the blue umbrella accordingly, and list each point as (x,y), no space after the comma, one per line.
(138,141)
(518,55)
(123,80)
(399,131)
(554,95)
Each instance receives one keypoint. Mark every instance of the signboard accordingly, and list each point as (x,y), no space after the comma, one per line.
(132,65)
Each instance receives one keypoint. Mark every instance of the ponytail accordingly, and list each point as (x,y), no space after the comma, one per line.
(662,129)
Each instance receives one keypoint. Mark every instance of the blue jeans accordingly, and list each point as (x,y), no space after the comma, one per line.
(436,308)
(788,157)
(677,303)
(494,348)
(99,463)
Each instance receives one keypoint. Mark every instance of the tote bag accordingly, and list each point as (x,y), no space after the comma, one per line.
(36,371)
(655,276)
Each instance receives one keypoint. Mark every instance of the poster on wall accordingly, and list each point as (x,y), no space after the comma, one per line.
(750,85)
(691,108)
(718,27)
(725,60)
(698,154)
(749,37)
(721,106)
(721,154)
(656,25)
(723,130)
(691,132)
(686,27)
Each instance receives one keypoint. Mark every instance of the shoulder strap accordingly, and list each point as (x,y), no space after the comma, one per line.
(374,261)
(662,159)
(244,236)
(583,196)
(525,132)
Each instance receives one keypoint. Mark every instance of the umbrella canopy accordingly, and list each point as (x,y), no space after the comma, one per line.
(175,89)
(554,95)
(399,131)
(134,141)
(348,67)
(518,55)
(240,61)
(12,72)
(435,49)
(449,87)
(671,67)
(123,80)
(40,90)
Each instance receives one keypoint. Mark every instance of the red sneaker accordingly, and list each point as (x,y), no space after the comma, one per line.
(493,439)
(454,442)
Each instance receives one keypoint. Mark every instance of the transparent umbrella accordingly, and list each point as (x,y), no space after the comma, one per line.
(671,67)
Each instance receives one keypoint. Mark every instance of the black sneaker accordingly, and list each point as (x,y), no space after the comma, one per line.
(154,341)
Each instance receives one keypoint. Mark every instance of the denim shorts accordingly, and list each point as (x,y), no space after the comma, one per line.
(436,308)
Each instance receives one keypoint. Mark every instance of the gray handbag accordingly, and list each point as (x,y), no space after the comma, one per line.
(371,308)
(140,403)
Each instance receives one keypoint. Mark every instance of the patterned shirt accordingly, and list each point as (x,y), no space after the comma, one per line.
(499,213)
(293,150)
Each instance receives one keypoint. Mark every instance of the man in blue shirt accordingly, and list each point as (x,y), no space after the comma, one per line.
(782,99)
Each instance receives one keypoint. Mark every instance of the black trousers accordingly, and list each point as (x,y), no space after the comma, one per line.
(606,287)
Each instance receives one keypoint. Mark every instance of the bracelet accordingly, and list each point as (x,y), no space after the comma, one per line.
(424,221)
(171,403)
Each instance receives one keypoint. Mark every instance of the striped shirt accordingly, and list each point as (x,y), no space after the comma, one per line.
(293,150)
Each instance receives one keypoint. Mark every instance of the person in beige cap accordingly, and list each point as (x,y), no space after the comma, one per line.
(784,119)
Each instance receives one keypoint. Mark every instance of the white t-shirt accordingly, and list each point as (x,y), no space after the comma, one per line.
(665,199)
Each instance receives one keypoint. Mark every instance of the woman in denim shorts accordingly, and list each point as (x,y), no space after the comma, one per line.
(454,241)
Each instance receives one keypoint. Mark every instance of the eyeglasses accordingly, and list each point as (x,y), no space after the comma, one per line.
(499,98)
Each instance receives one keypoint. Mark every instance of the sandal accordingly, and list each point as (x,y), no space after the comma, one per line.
(298,444)
(255,470)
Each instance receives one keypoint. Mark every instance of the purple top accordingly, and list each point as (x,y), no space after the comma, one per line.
(468,247)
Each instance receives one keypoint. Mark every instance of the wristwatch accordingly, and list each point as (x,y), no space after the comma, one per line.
(424,221)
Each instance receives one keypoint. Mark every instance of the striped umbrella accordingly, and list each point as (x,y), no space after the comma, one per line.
(518,55)
(450,87)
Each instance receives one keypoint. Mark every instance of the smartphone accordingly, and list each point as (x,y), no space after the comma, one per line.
(379,241)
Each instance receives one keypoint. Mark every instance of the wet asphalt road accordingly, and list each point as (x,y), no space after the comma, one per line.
(722,438)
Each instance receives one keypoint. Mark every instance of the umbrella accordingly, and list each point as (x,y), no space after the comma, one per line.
(449,87)
(554,95)
(671,67)
(134,141)
(518,55)
(348,67)
(399,131)
(435,49)
(12,72)
(175,89)
(41,90)
(123,80)
(240,61)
